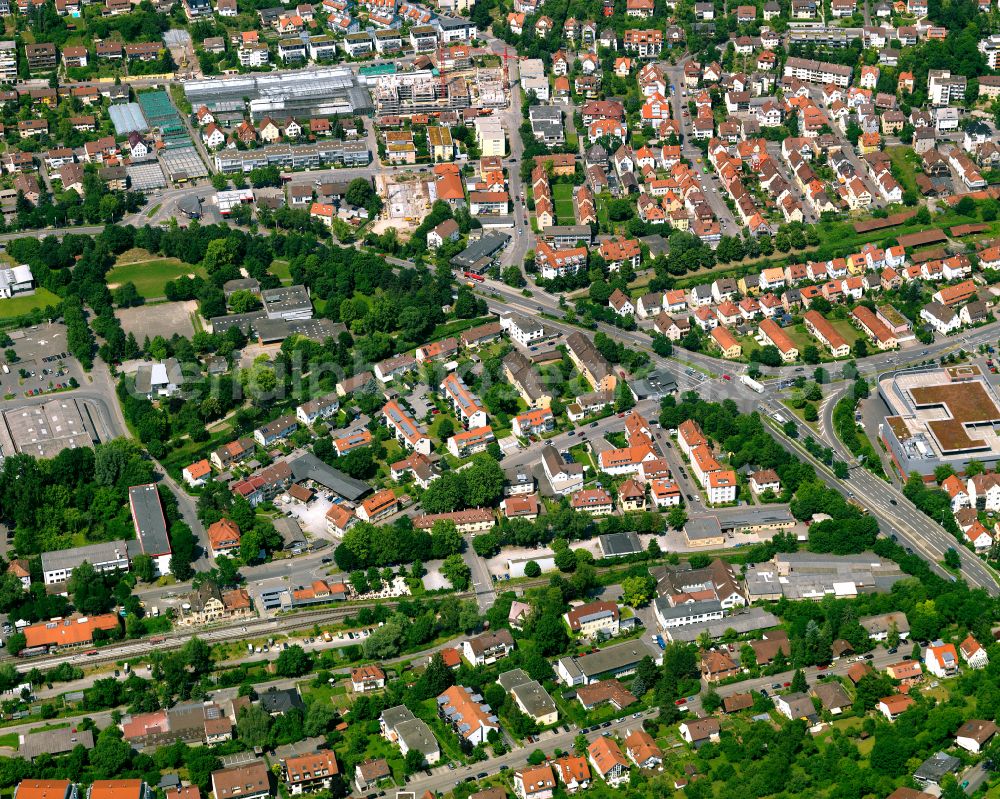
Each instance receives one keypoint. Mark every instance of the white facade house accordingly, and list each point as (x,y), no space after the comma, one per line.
(16,280)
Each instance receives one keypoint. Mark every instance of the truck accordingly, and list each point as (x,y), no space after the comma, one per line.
(6,369)
(752,384)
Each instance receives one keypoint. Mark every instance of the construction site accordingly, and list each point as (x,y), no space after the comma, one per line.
(454,83)
(407,198)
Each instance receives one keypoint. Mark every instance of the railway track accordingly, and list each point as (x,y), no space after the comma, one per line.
(256,628)
(175,640)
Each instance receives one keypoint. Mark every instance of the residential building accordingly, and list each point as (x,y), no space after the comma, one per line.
(309,773)
(593,619)
(488,648)
(607,760)
(399,725)
(468,714)
(941,659)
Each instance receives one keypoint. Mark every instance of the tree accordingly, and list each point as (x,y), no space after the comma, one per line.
(624,399)
(711,701)
(142,565)
(201,761)
(457,572)
(532,569)
(892,637)
(581,744)
(952,559)
(184,545)
(565,560)
(810,354)
(384,642)
(436,678)
(512,277)
(799,684)
(446,429)
(319,717)
(293,662)
(638,591)
(965,206)
(361,193)
(16,642)
(110,755)
(414,761)
(768,355)
(646,675)
(254,726)
(662,346)
(91,595)
(484,481)
(676,517)
(244,301)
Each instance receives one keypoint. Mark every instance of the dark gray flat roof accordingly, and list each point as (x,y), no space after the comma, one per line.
(54,742)
(147,515)
(617,544)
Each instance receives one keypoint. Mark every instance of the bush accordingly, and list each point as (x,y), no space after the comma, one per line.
(532,569)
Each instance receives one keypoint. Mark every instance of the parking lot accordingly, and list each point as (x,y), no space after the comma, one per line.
(42,364)
(311,517)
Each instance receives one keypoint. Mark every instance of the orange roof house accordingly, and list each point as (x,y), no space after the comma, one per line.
(223,537)
(116,789)
(72,631)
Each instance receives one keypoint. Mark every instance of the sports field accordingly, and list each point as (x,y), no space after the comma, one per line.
(151,276)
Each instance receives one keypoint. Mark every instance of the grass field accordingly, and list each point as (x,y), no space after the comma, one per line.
(905,162)
(150,277)
(16,306)
(847,330)
(279,268)
(800,336)
(562,196)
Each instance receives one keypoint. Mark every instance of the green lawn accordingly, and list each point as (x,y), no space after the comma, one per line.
(904,160)
(13,307)
(150,277)
(800,336)
(602,210)
(562,197)
(847,330)
(280,269)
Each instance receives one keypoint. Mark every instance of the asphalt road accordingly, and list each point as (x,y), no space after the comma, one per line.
(896,514)
(443,779)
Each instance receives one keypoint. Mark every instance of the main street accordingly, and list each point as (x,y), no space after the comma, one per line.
(896,514)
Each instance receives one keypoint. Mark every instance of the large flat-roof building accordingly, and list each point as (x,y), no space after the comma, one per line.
(104,557)
(326,92)
(809,575)
(618,660)
(150,525)
(53,742)
(939,417)
(47,429)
